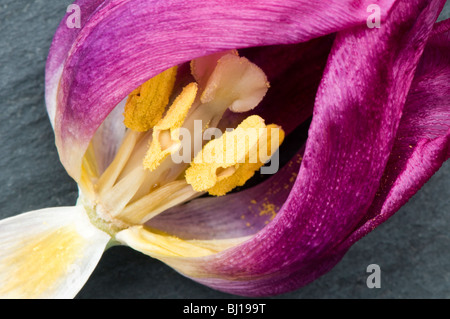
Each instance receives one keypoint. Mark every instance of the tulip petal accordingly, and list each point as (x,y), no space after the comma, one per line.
(124,43)
(357,113)
(108,138)
(48,253)
(160,245)
(63,40)
(423,140)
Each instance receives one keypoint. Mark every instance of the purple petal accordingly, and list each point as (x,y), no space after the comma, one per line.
(423,140)
(124,43)
(357,113)
(63,40)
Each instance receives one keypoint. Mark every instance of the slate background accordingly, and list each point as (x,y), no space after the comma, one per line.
(412,248)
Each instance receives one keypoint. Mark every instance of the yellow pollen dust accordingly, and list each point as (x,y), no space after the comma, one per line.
(145,105)
(42,261)
(231,160)
(166,132)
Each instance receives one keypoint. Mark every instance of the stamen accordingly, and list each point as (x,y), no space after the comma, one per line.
(225,89)
(226,81)
(268,144)
(225,172)
(166,133)
(143,180)
(159,200)
(109,177)
(229,161)
(145,105)
(115,200)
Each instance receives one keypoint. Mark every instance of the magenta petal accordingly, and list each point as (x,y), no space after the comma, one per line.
(358,110)
(423,139)
(125,43)
(63,40)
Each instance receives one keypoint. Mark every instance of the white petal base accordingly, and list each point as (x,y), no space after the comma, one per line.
(48,253)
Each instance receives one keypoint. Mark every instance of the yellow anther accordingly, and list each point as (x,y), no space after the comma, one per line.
(145,105)
(166,132)
(267,145)
(232,159)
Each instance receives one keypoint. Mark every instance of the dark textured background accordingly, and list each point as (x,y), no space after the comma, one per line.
(412,248)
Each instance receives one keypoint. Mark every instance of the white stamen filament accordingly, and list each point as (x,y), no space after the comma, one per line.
(129,194)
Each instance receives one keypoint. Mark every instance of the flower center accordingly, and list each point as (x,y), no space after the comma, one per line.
(168,156)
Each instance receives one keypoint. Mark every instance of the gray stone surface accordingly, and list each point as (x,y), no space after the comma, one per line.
(412,248)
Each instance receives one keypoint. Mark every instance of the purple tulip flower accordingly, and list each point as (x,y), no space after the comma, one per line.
(357,93)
